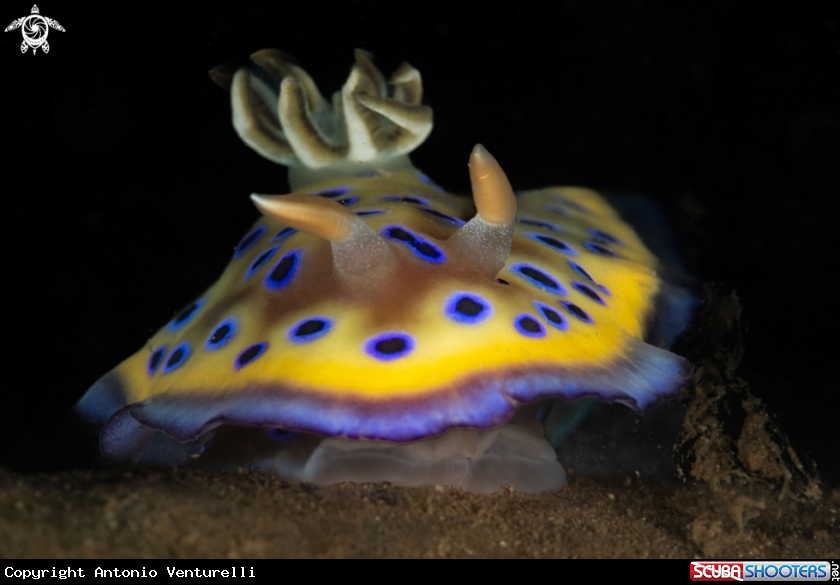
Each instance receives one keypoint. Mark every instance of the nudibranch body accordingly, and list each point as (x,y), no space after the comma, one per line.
(372,327)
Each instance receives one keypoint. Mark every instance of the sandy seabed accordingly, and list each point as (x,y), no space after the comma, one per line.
(184,514)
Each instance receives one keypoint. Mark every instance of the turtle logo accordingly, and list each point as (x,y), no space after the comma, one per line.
(35,28)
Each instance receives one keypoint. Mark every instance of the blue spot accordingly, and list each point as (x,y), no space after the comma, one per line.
(184,316)
(468,308)
(577,312)
(429,182)
(333,192)
(559,210)
(539,224)
(370,212)
(261,259)
(599,249)
(176,357)
(580,270)
(414,200)
(389,346)
(222,334)
(539,278)
(569,203)
(249,240)
(588,292)
(154,360)
(249,354)
(443,216)
(555,319)
(604,236)
(348,201)
(529,326)
(283,272)
(309,329)
(283,234)
(553,243)
(420,246)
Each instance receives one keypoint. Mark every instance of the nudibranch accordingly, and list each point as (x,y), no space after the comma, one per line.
(373,327)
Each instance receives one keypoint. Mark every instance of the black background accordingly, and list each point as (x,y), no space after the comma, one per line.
(125,187)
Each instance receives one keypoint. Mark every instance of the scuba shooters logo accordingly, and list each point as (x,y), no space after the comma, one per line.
(35,29)
(761,571)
